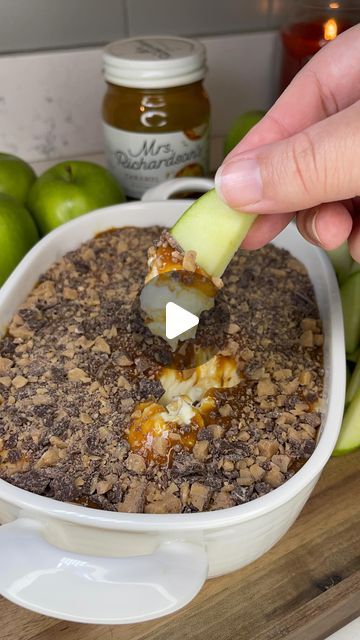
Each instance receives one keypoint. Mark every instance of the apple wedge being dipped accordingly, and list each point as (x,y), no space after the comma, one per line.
(213,230)
(200,245)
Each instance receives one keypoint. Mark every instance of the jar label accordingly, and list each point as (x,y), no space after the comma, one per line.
(140,161)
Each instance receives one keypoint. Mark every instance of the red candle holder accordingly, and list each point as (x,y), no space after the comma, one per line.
(312,24)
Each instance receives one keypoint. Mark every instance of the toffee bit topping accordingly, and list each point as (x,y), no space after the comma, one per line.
(166,255)
(189,261)
(83,416)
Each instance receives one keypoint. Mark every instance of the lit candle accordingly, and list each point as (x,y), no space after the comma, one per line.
(330,29)
(310,29)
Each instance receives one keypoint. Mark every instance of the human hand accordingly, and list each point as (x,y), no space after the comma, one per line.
(303,157)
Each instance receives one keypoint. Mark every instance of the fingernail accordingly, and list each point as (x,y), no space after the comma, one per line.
(310,227)
(239,183)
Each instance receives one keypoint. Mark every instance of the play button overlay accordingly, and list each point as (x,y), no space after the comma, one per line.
(178,320)
(169,327)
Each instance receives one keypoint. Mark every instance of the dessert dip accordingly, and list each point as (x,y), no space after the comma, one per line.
(96,410)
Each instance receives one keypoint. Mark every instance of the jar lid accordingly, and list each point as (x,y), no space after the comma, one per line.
(154,62)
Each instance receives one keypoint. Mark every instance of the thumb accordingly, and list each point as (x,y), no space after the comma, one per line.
(320,164)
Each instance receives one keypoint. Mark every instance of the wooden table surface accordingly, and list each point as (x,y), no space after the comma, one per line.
(305,588)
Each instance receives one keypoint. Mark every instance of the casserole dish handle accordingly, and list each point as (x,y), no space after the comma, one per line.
(99,590)
(164,190)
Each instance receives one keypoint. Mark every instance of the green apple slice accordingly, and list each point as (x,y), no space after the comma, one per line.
(355,267)
(354,356)
(349,438)
(350,296)
(341,261)
(354,384)
(212,229)
(348,374)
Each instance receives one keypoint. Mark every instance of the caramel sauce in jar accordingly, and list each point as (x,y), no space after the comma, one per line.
(155,111)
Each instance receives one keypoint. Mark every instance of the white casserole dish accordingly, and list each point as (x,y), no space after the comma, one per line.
(94,566)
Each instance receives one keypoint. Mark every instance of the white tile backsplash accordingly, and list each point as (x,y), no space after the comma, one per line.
(196,17)
(242,75)
(33,25)
(50,103)
(27,25)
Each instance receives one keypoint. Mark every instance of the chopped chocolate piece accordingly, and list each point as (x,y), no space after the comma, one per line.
(185,465)
(242,494)
(150,389)
(262,488)
(233,450)
(33,480)
(63,488)
(311,418)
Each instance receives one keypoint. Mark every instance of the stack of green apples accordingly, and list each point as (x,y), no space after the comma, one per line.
(18,231)
(31,206)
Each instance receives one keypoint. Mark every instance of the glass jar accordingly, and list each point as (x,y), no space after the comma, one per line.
(311,25)
(155,111)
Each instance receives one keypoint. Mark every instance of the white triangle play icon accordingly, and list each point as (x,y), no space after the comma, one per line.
(178,320)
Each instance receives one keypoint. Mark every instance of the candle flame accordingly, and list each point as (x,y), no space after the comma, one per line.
(330,29)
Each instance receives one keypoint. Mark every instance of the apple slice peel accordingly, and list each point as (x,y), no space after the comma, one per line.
(213,230)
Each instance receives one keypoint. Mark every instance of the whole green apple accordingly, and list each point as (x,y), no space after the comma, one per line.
(18,233)
(240,127)
(16,177)
(69,190)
